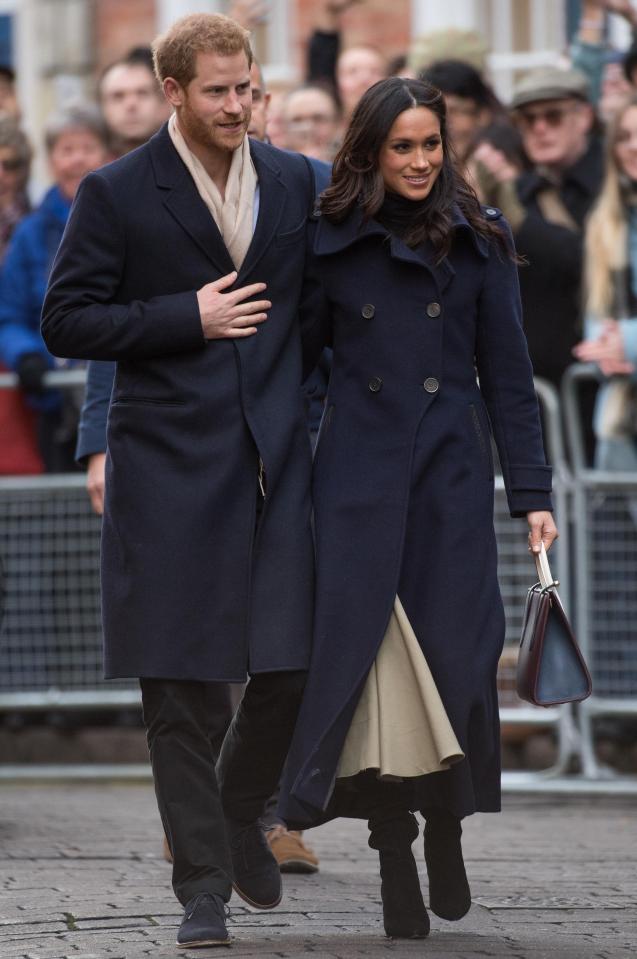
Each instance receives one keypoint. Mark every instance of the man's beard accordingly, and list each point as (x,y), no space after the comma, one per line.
(195,129)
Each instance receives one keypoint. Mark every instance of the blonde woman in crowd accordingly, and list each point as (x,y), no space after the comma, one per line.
(611,295)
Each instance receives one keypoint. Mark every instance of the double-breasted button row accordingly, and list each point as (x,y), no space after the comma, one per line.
(369,310)
(431,384)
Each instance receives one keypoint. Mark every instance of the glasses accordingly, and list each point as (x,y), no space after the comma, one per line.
(11,165)
(551,116)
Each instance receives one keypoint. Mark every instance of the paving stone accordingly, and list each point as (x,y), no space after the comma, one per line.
(81,876)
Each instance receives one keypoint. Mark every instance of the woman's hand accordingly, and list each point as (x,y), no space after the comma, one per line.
(607,350)
(542,529)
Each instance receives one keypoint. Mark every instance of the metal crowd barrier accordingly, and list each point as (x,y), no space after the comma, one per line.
(50,641)
(50,637)
(50,634)
(516,572)
(50,645)
(605,538)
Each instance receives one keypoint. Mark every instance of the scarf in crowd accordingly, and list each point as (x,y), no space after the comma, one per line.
(234,214)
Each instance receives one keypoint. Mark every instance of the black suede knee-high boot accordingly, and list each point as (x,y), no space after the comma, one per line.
(449,893)
(392,832)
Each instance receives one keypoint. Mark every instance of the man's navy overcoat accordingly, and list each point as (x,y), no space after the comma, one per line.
(403,493)
(188,590)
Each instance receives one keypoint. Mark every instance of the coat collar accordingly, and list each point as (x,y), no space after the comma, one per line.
(585,175)
(185,204)
(336,237)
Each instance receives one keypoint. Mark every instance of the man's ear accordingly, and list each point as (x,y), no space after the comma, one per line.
(173,92)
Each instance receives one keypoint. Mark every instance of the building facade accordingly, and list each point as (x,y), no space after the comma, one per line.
(58,47)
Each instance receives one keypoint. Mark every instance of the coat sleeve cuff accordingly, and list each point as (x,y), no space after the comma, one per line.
(528,489)
(525,501)
(89,442)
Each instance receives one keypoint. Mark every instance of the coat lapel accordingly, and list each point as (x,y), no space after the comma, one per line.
(442,271)
(184,203)
(333,238)
(271,201)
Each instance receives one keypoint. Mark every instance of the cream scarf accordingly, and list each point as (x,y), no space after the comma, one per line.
(234,215)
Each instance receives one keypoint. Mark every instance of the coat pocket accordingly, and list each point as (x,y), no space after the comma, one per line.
(484,440)
(145,401)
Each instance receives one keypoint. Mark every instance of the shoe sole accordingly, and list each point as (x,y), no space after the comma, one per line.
(199,943)
(300,866)
(256,905)
(453,917)
(414,935)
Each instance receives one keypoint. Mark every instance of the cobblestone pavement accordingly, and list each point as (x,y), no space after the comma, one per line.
(82,877)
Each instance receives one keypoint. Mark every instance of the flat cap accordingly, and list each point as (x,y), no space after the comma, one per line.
(549,83)
(449,44)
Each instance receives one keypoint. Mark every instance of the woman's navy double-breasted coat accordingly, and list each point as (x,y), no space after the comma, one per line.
(403,491)
(191,589)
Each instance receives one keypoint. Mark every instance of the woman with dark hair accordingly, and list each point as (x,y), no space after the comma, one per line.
(414,288)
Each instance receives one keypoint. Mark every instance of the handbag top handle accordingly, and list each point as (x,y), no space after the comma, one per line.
(544,570)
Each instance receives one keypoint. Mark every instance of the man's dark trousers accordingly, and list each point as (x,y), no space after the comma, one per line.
(193,796)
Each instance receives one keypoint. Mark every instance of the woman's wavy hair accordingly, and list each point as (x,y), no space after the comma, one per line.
(606,238)
(357,180)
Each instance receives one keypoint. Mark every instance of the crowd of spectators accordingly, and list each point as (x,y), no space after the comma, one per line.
(558,159)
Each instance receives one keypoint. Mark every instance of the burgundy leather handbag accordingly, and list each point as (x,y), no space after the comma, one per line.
(551,668)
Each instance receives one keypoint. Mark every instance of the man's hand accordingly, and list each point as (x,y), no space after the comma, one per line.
(228,315)
(495,162)
(328,16)
(249,13)
(95,481)
(542,529)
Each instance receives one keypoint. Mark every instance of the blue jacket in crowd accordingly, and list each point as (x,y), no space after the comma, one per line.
(24,278)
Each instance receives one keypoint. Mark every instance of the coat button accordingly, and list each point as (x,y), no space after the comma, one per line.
(368,311)
(375,384)
(315,774)
(431,384)
(433,310)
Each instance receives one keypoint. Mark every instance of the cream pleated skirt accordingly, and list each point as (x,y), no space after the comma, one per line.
(400,727)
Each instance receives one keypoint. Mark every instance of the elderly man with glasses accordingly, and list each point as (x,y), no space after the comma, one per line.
(548,204)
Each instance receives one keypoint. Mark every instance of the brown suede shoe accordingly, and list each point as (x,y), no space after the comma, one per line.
(290,851)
